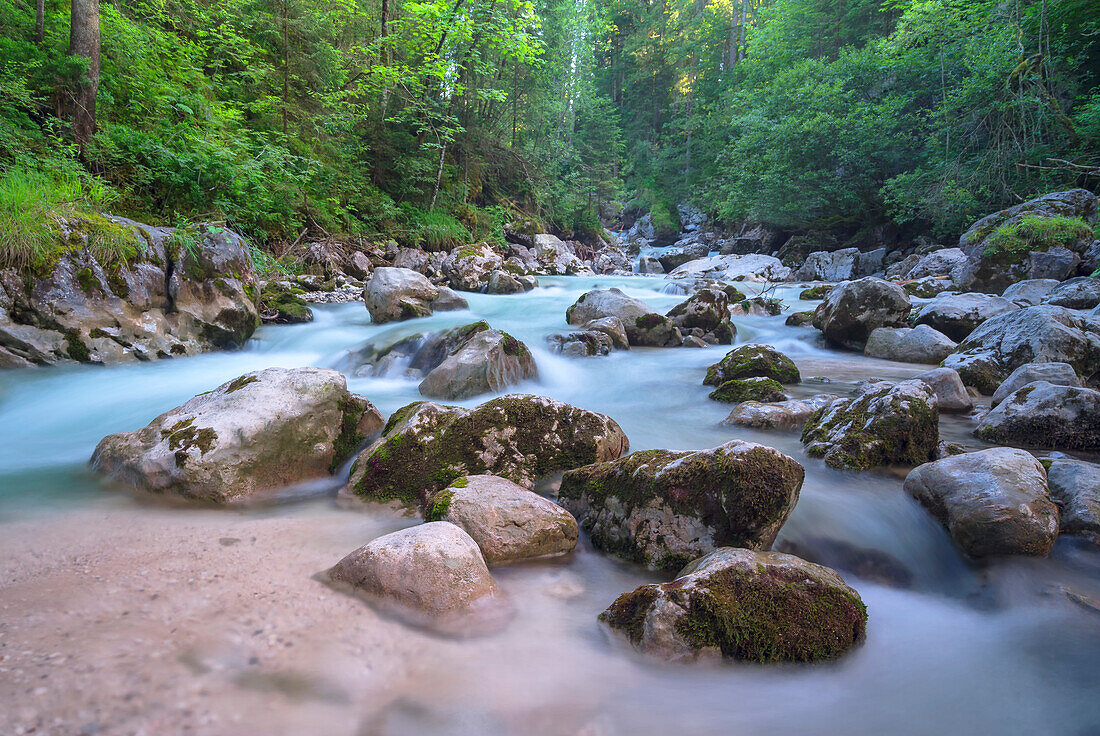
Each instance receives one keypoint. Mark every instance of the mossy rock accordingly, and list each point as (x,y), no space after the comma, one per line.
(662,508)
(744,605)
(758,388)
(815,292)
(283,305)
(425,446)
(752,360)
(800,319)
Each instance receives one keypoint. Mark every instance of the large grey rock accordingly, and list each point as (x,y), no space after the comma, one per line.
(993,502)
(557,258)
(852,310)
(884,424)
(487,362)
(1030,291)
(167,292)
(649,264)
(260,432)
(662,508)
(937,263)
(839,265)
(1060,374)
(508,522)
(789,414)
(1054,263)
(707,310)
(394,294)
(1079,293)
(642,325)
(752,267)
(957,315)
(1042,334)
(1044,415)
(951,394)
(425,446)
(609,259)
(502,282)
(680,254)
(1075,487)
(612,327)
(432,574)
(745,605)
(920,344)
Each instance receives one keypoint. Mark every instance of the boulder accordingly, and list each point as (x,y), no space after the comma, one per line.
(1090,260)
(358,264)
(707,310)
(425,446)
(609,259)
(432,574)
(649,264)
(752,267)
(580,344)
(508,522)
(1060,374)
(557,258)
(789,414)
(839,265)
(1075,488)
(815,293)
(920,344)
(743,605)
(262,431)
(643,326)
(1042,414)
(612,327)
(884,424)
(1054,263)
(757,388)
(1042,334)
(752,360)
(993,502)
(799,319)
(395,294)
(502,282)
(449,301)
(1029,292)
(928,287)
(679,254)
(957,315)
(662,508)
(281,303)
(488,361)
(158,293)
(951,394)
(852,310)
(468,268)
(937,263)
(1079,293)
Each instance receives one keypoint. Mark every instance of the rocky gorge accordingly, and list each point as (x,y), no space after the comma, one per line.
(523,445)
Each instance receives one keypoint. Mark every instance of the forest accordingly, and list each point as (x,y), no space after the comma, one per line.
(436,121)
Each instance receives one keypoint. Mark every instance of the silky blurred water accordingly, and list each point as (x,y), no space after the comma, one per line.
(964,649)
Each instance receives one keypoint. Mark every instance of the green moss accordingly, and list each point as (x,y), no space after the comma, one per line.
(184,436)
(772,616)
(749,389)
(75,347)
(96,332)
(349,438)
(752,360)
(514,347)
(440,504)
(238,383)
(649,321)
(628,613)
(89,284)
(815,292)
(399,416)
(1012,241)
(462,482)
(799,319)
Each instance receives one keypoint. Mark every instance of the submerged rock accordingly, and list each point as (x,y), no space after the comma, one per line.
(662,508)
(920,344)
(508,522)
(864,562)
(790,414)
(993,502)
(750,361)
(425,446)
(1075,487)
(1044,415)
(745,605)
(852,310)
(262,431)
(1042,334)
(884,424)
(749,389)
(1060,374)
(432,574)
(580,344)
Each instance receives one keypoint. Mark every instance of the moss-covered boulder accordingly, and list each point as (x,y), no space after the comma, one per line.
(800,319)
(815,292)
(1042,414)
(662,508)
(852,310)
(486,362)
(743,605)
(643,326)
(260,432)
(884,424)
(468,268)
(708,310)
(750,361)
(758,388)
(281,303)
(425,446)
(1038,334)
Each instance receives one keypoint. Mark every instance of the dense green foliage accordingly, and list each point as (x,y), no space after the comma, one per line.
(449,117)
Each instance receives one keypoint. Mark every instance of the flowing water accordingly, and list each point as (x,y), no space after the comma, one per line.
(951,647)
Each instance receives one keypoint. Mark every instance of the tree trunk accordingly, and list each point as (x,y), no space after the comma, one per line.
(40,22)
(286,64)
(438,173)
(84,42)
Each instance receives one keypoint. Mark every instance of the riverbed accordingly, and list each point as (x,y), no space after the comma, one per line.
(123,616)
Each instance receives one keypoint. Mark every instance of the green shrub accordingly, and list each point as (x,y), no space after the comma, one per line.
(1033,232)
(434,229)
